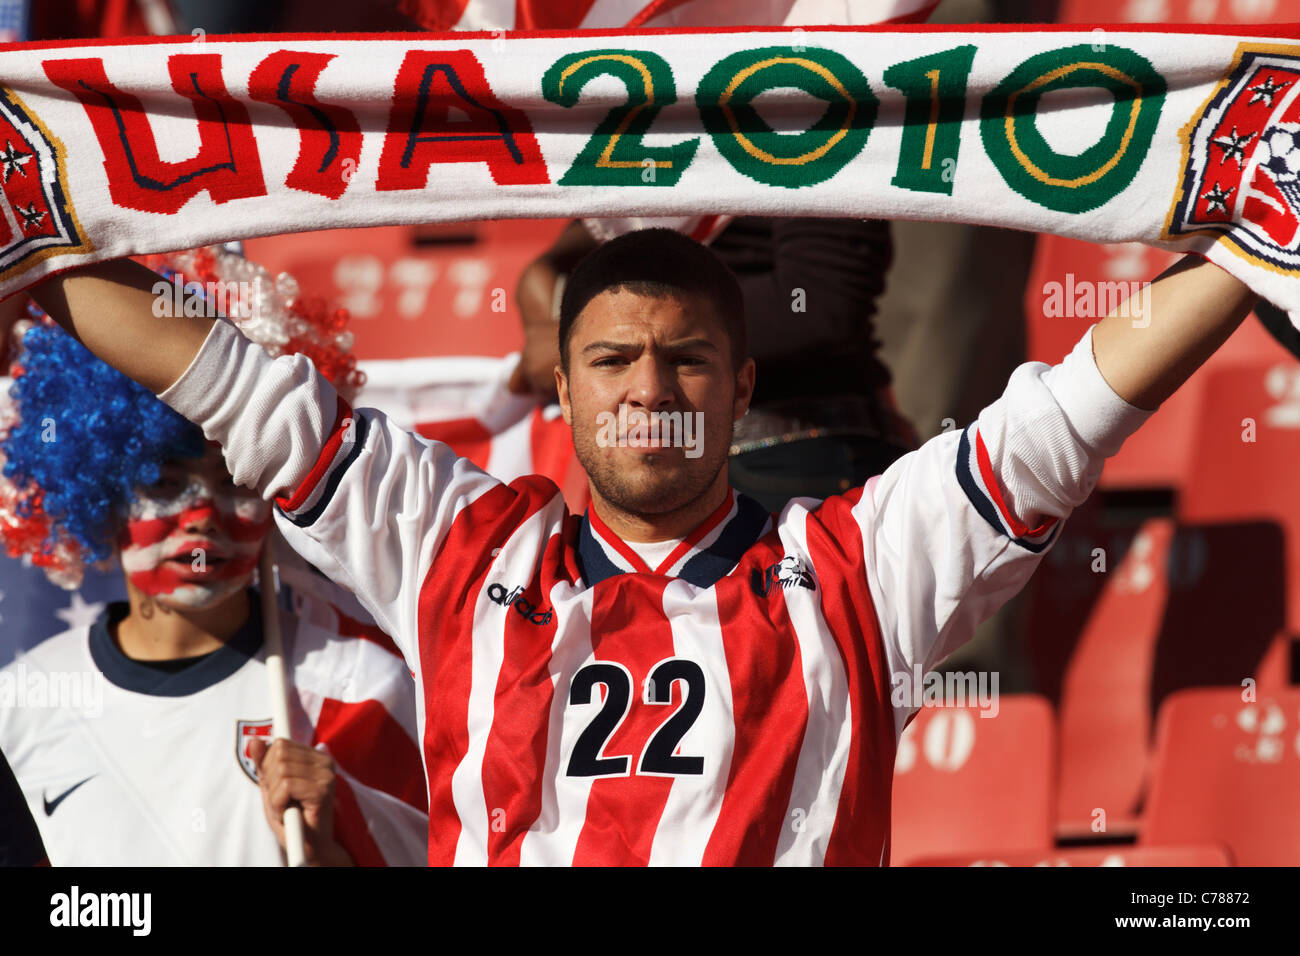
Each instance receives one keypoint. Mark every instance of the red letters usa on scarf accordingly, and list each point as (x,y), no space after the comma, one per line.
(1188,140)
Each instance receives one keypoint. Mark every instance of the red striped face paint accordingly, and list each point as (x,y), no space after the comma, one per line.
(193,538)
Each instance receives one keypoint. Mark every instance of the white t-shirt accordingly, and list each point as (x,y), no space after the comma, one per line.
(124,764)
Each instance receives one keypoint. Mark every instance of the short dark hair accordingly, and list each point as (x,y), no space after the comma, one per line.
(656,262)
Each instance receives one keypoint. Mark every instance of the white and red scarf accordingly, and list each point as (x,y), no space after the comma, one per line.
(1186,139)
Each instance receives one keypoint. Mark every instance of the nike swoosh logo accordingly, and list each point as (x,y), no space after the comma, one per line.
(52,805)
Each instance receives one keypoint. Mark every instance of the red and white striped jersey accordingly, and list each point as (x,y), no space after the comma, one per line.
(466,402)
(732,704)
(123,764)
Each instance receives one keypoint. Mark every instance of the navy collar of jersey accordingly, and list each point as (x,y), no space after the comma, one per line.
(705,568)
(203,673)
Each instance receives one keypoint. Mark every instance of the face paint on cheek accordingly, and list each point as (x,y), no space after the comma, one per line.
(191,550)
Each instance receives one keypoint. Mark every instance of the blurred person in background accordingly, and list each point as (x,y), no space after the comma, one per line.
(137,767)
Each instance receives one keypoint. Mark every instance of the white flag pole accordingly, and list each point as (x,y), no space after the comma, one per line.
(293,833)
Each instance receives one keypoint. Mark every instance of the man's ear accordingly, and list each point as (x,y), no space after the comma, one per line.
(745,379)
(562,392)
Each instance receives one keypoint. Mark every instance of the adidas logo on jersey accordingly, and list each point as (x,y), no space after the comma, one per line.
(497,594)
(789,572)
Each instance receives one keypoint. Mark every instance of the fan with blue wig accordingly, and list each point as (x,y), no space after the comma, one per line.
(82,437)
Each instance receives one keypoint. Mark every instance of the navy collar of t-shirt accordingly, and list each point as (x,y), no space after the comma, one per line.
(203,672)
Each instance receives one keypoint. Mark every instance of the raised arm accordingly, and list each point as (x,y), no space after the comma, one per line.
(109,308)
(955,528)
(362,499)
(1185,315)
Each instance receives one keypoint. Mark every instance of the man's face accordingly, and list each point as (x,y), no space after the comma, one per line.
(651,396)
(193,538)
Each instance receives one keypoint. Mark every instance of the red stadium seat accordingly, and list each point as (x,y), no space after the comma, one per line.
(1104,713)
(963,782)
(1236,479)
(1228,772)
(1159,626)
(1062,592)
(1207,855)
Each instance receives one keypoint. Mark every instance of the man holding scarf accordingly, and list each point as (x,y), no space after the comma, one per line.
(676,676)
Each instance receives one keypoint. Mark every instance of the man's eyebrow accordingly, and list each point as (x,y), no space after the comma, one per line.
(700,342)
(610,346)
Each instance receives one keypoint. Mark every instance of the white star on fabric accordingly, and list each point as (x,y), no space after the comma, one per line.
(13,160)
(79,613)
(1266,91)
(1217,198)
(31,215)
(1233,146)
